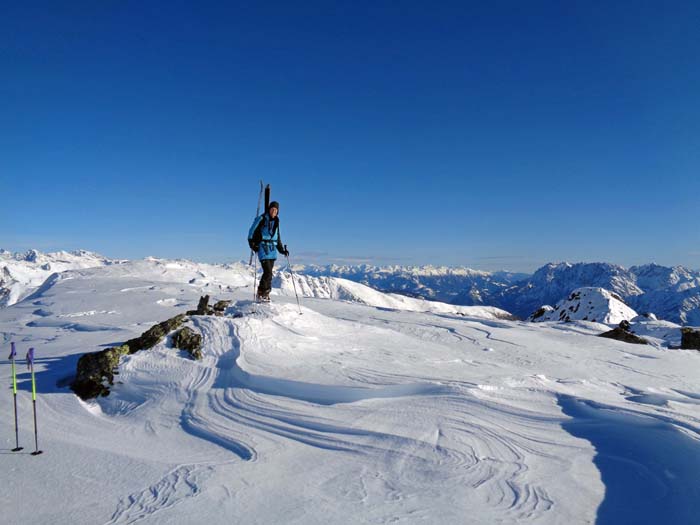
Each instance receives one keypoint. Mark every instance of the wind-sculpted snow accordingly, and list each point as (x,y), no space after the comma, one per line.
(346,412)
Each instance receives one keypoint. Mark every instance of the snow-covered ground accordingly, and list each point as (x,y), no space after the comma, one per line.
(362,409)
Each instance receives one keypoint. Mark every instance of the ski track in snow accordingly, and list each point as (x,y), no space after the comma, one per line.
(179,484)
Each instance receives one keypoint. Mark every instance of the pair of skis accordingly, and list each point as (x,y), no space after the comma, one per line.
(257,213)
(252,253)
(30,365)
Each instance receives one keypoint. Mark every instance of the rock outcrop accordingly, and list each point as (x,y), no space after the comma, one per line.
(189,340)
(95,369)
(203,307)
(624,334)
(690,338)
(155,334)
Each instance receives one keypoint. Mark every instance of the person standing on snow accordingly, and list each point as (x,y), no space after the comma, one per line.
(264,239)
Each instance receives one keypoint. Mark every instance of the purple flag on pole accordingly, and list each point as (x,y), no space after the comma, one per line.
(13,352)
(30,358)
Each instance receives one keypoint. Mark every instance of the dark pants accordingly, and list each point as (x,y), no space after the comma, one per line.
(266,279)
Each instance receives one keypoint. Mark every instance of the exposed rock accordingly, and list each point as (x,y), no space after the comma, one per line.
(96,368)
(506,316)
(220,307)
(625,336)
(625,325)
(690,338)
(202,308)
(155,334)
(188,339)
(540,312)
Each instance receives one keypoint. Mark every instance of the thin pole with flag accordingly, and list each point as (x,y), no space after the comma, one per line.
(13,353)
(30,365)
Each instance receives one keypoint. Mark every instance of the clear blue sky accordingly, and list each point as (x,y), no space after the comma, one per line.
(496,135)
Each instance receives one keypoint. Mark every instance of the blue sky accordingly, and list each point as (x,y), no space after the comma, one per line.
(496,135)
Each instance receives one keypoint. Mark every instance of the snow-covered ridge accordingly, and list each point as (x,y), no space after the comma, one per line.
(589,304)
(21,273)
(35,271)
(346,290)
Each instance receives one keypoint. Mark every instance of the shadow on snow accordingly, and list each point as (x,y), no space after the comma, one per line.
(649,466)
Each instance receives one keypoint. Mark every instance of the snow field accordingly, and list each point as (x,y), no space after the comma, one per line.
(348,412)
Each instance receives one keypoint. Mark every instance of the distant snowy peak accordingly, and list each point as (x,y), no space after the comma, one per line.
(605,275)
(20,273)
(556,280)
(652,277)
(80,257)
(588,304)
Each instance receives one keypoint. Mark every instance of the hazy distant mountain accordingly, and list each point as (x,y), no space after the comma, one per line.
(460,285)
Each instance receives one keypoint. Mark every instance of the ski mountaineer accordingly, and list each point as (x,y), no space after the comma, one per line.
(264,239)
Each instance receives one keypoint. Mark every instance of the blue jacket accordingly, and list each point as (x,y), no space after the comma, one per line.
(264,237)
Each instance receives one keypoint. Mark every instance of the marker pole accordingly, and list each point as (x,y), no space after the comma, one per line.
(30,363)
(13,353)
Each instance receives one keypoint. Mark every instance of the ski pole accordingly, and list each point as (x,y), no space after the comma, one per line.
(13,353)
(30,364)
(255,281)
(289,265)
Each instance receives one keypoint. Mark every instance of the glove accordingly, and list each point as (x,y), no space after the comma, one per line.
(285,252)
(253,246)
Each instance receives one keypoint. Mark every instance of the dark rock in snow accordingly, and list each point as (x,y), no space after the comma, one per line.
(540,312)
(220,307)
(625,336)
(202,308)
(95,369)
(155,334)
(188,339)
(690,338)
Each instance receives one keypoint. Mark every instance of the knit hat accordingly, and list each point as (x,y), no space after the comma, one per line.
(274,204)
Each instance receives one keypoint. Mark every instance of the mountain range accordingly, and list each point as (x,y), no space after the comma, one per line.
(671,293)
